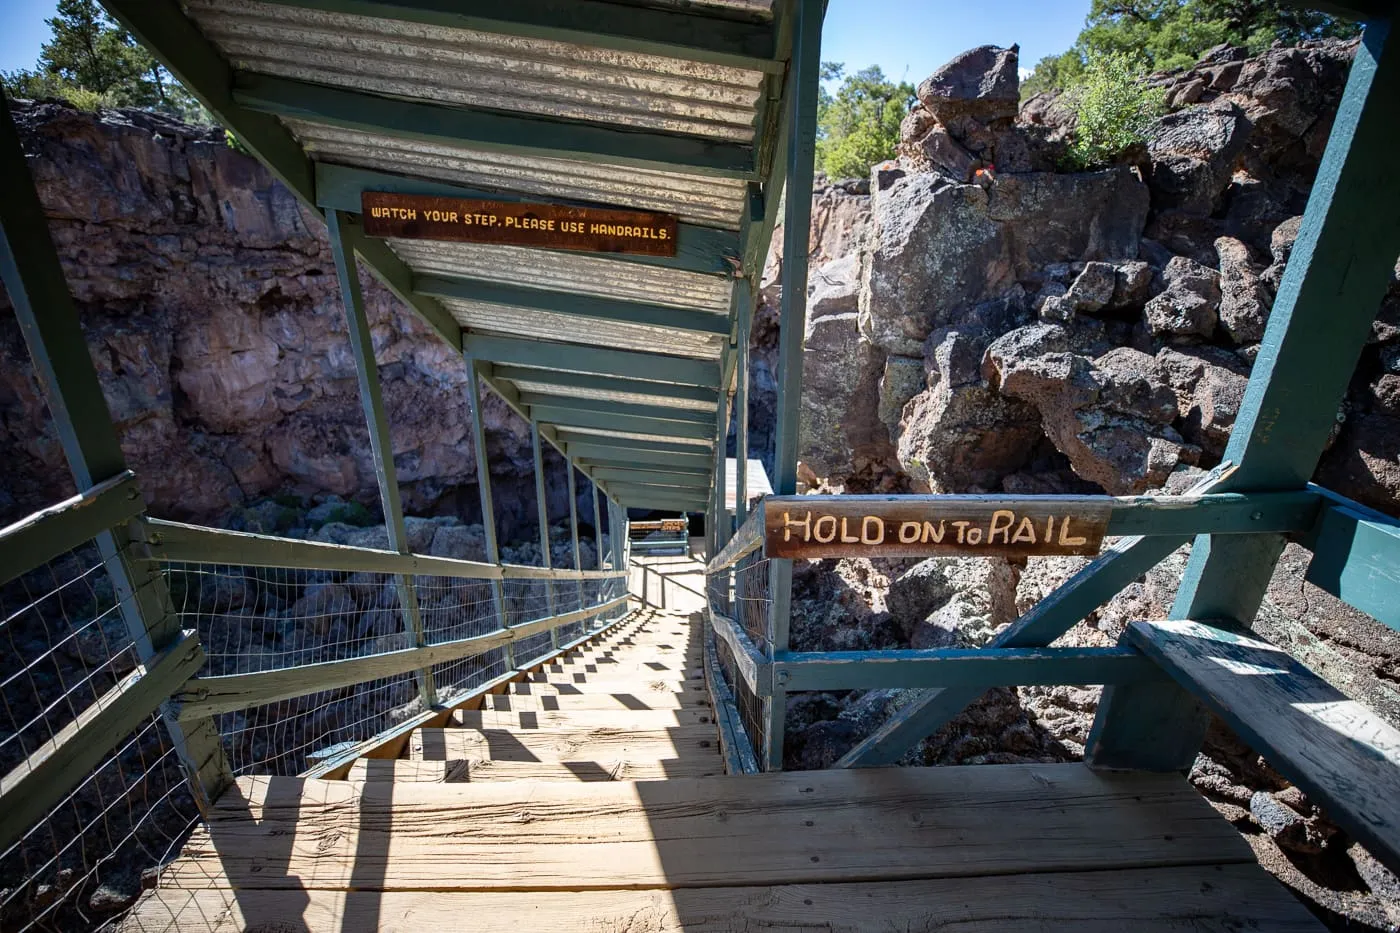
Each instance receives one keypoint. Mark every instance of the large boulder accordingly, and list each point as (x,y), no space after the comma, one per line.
(1193,153)
(946,602)
(1209,384)
(1245,300)
(981,83)
(1189,306)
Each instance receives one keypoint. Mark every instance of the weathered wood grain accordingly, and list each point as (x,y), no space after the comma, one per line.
(1345,757)
(571,720)
(388,770)
(850,825)
(595,701)
(50,532)
(591,743)
(1196,899)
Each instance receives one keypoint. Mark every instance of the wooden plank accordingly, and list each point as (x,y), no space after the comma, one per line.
(403,771)
(204,696)
(974,668)
(491,131)
(517,223)
(600,702)
(747,539)
(590,743)
(688,35)
(705,250)
(560,685)
(571,720)
(876,824)
(43,779)
(751,663)
(579,305)
(736,745)
(1345,757)
(1016,526)
(1204,899)
(47,533)
(628,364)
(1356,557)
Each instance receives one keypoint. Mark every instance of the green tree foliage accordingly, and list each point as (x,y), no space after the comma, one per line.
(1113,107)
(1162,34)
(859,124)
(92,62)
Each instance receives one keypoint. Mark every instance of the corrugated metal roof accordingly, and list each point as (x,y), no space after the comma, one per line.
(477,69)
(666,438)
(638,398)
(580,273)
(710,202)
(506,321)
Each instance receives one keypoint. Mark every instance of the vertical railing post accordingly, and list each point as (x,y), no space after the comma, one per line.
(488,507)
(1335,281)
(597,528)
(544,524)
(381,444)
(741,404)
(48,319)
(801,126)
(573,530)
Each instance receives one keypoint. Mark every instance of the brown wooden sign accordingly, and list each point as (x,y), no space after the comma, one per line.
(916,526)
(512,223)
(665,524)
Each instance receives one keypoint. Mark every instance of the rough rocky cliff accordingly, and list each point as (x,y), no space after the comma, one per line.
(981,319)
(210,303)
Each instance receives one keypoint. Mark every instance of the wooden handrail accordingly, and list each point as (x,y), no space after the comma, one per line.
(49,532)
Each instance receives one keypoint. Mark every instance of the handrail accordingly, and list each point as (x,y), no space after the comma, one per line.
(748,538)
(47,533)
(177,541)
(204,696)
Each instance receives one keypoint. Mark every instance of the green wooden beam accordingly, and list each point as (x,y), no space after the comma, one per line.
(652,478)
(48,533)
(489,130)
(573,418)
(629,491)
(593,382)
(580,444)
(696,35)
(380,441)
(396,276)
(743,332)
(1339,270)
(624,464)
(177,43)
(706,250)
(607,406)
(573,512)
(626,363)
(488,507)
(573,303)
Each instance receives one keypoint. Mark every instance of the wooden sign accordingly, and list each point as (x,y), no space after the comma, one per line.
(917,526)
(665,524)
(515,223)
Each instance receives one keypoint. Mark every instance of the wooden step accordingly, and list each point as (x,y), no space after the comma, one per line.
(391,769)
(591,744)
(672,679)
(1343,756)
(650,700)
(562,685)
(1165,900)
(875,824)
(574,720)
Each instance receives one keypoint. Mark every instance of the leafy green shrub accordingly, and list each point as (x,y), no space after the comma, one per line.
(1114,108)
(858,126)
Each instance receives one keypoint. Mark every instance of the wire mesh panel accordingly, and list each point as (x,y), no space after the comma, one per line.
(743,595)
(65,647)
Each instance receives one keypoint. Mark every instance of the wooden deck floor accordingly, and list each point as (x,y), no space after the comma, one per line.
(592,798)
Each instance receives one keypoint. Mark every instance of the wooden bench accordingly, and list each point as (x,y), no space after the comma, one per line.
(1342,755)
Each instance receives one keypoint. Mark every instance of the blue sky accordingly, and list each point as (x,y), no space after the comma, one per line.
(907,38)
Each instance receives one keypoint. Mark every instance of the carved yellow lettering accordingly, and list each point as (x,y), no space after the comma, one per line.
(934,534)
(868,536)
(846,536)
(1025,532)
(908,532)
(805,525)
(962,530)
(974,535)
(1066,538)
(1050,529)
(1002,519)
(825,537)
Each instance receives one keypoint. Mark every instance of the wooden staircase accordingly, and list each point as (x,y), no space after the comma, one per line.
(589,795)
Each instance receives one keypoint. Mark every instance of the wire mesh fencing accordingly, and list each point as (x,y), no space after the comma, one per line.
(742,593)
(69,638)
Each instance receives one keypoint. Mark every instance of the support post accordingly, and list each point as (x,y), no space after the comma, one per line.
(1337,275)
(488,508)
(546,558)
(597,529)
(801,127)
(380,441)
(741,405)
(48,319)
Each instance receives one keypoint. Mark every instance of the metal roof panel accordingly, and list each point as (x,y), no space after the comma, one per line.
(507,321)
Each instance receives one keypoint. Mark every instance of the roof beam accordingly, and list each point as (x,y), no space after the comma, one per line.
(569,418)
(604,361)
(635,492)
(574,439)
(736,43)
(652,478)
(572,303)
(624,463)
(590,381)
(698,249)
(492,131)
(604,455)
(608,406)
